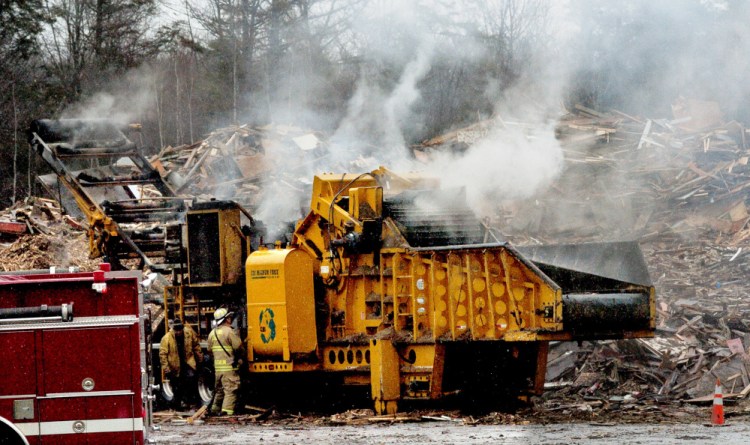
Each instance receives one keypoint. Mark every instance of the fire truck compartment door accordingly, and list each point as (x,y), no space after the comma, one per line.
(88,396)
(17,353)
(102,360)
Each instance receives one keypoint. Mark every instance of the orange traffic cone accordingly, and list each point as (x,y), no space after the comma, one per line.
(717,414)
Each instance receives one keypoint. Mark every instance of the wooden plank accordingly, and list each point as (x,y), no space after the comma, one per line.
(644,135)
(588,110)
(12,227)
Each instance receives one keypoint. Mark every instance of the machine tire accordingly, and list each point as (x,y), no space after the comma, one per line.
(205,392)
(166,391)
(206,380)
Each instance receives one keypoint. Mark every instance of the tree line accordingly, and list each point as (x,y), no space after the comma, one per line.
(182,68)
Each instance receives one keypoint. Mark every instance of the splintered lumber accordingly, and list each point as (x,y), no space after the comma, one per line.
(393,418)
(192,171)
(644,136)
(198,414)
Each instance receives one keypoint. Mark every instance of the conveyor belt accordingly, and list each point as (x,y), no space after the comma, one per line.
(602,313)
(578,267)
(430,218)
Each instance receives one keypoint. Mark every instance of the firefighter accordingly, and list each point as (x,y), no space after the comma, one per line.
(226,347)
(179,353)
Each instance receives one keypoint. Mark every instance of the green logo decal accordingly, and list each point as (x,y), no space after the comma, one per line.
(267,325)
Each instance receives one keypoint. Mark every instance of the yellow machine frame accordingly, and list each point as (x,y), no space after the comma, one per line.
(395,311)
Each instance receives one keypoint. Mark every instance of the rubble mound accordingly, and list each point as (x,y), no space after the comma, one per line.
(49,239)
(42,251)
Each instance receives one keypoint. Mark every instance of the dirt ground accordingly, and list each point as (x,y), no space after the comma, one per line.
(453,433)
(672,423)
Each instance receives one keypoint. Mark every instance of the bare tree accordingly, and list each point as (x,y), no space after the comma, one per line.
(21,87)
(15,141)
(90,41)
(514,31)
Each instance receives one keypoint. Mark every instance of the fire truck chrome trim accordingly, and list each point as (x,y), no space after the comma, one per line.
(28,320)
(62,395)
(80,322)
(90,426)
(19,396)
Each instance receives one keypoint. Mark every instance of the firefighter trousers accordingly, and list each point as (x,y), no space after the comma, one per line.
(226,389)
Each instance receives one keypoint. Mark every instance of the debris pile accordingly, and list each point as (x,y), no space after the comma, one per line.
(48,239)
(684,183)
(680,187)
(233,162)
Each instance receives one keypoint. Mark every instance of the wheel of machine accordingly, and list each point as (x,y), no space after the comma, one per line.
(205,391)
(206,379)
(167,392)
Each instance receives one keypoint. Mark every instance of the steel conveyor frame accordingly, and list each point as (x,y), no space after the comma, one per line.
(104,230)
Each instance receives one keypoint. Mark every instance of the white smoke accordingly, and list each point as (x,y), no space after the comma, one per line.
(397,107)
(372,127)
(642,55)
(511,162)
(125,101)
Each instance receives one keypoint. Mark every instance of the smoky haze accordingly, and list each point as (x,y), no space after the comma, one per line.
(127,100)
(640,56)
(405,48)
(427,67)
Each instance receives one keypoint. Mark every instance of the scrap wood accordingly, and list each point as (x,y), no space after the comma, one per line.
(587,110)
(43,251)
(190,175)
(245,418)
(257,409)
(167,416)
(579,406)
(729,399)
(442,418)
(198,414)
(12,227)
(32,223)
(72,222)
(644,135)
(392,418)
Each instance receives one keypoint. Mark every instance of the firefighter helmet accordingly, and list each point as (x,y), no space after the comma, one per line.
(221,314)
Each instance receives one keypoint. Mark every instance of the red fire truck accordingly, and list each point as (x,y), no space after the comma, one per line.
(73,358)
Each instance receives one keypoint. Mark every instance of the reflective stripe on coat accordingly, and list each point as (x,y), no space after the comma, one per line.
(231,342)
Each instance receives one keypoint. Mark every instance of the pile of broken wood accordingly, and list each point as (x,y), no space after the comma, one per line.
(34,234)
(680,187)
(235,162)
